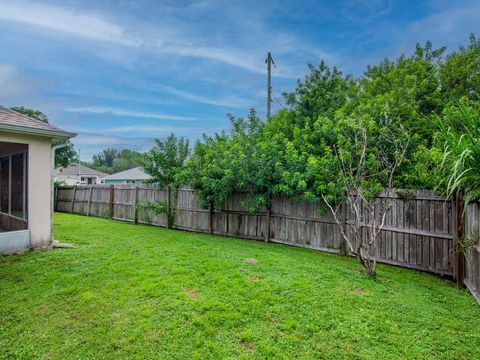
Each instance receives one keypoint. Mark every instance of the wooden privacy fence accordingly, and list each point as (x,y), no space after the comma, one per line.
(419,231)
(472,252)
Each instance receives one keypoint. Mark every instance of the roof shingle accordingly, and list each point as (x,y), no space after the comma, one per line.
(132,174)
(17,120)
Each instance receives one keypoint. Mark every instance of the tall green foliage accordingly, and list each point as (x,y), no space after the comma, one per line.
(460,73)
(207,170)
(322,92)
(166,160)
(220,164)
(460,136)
(296,152)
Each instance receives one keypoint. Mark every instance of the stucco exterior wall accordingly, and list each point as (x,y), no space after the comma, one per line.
(38,188)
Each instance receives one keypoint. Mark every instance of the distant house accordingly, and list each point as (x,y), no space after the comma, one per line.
(131,176)
(27,152)
(79,175)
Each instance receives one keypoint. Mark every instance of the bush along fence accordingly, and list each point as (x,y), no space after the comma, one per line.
(423,230)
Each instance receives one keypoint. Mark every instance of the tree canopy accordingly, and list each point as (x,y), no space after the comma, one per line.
(165,161)
(111,160)
(300,151)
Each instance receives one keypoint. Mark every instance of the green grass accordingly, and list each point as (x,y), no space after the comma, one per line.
(131,291)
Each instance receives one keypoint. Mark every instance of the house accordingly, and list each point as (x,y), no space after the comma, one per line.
(131,176)
(27,152)
(78,174)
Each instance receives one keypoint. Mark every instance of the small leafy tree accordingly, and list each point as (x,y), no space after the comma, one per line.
(207,170)
(165,163)
(220,164)
(166,160)
(362,160)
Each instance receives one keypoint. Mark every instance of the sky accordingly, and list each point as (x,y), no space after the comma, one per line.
(122,73)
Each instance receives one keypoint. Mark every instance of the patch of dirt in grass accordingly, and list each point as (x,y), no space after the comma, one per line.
(248,345)
(251,261)
(256,278)
(191,293)
(359,291)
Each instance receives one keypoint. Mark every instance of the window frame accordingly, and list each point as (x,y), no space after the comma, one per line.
(25,188)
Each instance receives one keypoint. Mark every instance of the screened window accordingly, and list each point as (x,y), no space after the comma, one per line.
(13,185)
(18,186)
(4,187)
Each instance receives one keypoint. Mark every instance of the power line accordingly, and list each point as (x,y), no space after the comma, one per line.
(278,101)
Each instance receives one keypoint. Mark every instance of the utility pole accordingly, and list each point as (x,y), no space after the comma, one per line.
(269,62)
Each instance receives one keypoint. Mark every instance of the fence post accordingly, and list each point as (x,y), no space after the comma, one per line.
(73,198)
(169,207)
(210,218)
(459,233)
(89,205)
(135,206)
(110,202)
(267,223)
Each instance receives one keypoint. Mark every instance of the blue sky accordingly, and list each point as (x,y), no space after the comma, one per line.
(120,73)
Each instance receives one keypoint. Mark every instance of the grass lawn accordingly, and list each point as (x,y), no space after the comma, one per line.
(131,291)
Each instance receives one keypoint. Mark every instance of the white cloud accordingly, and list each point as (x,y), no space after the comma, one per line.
(235,102)
(14,86)
(98,28)
(158,129)
(366,10)
(61,19)
(227,56)
(88,140)
(448,26)
(127,113)
(168,38)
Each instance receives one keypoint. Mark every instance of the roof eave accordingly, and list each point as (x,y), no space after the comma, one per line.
(38,132)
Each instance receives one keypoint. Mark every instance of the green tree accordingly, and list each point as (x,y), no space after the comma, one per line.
(460,73)
(63,156)
(166,160)
(407,94)
(126,159)
(221,164)
(105,158)
(209,170)
(111,160)
(322,92)
(360,160)
(274,165)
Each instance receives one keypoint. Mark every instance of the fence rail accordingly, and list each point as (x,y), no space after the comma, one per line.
(419,233)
